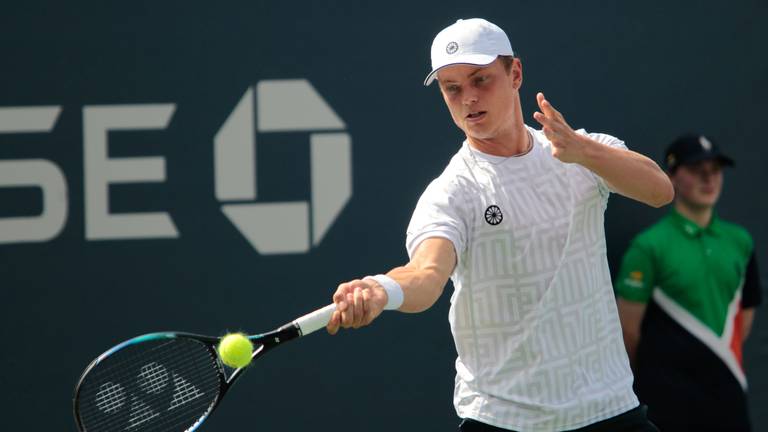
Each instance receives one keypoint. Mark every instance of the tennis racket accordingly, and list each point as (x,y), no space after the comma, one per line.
(168,382)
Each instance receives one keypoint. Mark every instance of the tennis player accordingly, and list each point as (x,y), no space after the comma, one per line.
(516,221)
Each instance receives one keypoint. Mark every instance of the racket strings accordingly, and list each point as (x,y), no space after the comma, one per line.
(157,385)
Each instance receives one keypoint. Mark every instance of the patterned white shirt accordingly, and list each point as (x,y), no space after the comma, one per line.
(533,313)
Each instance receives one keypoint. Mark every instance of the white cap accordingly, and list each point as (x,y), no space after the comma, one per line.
(472,41)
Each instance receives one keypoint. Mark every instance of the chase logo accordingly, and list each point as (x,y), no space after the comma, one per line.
(270,227)
(282,106)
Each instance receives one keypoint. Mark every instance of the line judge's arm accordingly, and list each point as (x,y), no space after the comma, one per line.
(747,318)
(631,315)
(359,302)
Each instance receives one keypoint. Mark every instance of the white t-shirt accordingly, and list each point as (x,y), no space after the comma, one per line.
(533,313)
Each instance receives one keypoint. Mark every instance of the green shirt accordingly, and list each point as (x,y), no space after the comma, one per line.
(696,282)
(699,269)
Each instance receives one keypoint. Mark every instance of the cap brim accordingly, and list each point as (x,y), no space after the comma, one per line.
(723,159)
(474,60)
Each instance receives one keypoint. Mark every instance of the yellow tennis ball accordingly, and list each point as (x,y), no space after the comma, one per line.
(235,350)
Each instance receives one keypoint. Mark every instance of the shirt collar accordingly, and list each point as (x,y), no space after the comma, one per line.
(691,229)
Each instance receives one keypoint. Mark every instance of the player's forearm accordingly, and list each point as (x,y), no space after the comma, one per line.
(417,284)
(425,276)
(422,286)
(628,173)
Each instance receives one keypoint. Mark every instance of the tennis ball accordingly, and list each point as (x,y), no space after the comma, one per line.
(235,350)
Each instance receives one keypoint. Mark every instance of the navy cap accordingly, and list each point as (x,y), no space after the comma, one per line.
(691,148)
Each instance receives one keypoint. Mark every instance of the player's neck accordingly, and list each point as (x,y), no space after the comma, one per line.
(515,142)
(700,215)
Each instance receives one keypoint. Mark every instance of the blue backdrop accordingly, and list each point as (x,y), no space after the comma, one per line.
(114,109)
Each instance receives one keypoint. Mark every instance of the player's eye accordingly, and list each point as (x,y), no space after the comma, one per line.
(452,88)
(481,79)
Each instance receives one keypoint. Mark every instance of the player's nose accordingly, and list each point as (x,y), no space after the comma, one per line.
(469,98)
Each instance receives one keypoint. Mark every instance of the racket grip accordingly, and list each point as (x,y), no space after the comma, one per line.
(316,320)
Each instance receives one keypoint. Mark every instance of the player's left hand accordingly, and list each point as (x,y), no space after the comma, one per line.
(567,145)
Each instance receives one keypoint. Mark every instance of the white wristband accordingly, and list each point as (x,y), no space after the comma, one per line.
(393,289)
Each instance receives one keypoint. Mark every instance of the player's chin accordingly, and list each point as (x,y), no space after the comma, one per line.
(479,133)
(475,126)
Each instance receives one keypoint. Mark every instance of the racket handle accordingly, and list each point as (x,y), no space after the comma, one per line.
(316,320)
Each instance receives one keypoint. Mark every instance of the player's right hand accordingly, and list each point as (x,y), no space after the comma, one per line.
(358,303)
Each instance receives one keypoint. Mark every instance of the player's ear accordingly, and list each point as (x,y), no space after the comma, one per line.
(517,73)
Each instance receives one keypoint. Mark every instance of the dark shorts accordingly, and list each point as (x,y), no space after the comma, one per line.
(634,420)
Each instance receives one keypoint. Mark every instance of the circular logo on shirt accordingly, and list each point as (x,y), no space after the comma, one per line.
(493,215)
(452,47)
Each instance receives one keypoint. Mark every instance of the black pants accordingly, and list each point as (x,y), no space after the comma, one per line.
(631,421)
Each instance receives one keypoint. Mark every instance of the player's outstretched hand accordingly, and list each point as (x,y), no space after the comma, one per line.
(567,145)
(358,303)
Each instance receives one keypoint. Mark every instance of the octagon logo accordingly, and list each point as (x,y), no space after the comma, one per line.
(282,106)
